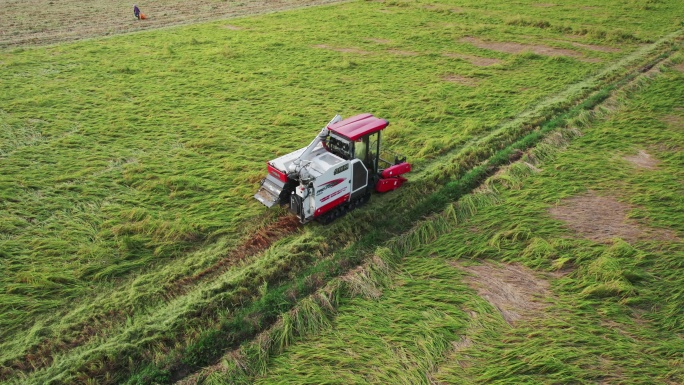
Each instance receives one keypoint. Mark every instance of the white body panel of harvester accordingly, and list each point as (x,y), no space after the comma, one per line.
(330,186)
(325,181)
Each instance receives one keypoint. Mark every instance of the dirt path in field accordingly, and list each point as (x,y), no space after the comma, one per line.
(353,50)
(513,289)
(516,48)
(602,218)
(518,294)
(474,60)
(462,80)
(38,22)
(643,160)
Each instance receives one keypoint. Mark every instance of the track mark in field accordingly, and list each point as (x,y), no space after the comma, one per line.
(676,121)
(457,10)
(601,219)
(400,52)
(543,5)
(515,48)
(474,60)
(571,39)
(511,288)
(643,160)
(595,47)
(379,41)
(42,355)
(455,354)
(458,354)
(257,242)
(232,27)
(443,8)
(459,79)
(360,282)
(343,50)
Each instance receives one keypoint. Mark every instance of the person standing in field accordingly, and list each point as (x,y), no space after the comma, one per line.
(136,11)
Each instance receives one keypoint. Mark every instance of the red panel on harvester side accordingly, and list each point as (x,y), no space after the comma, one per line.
(358,126)
(396,170)
(276,173)
(389,184)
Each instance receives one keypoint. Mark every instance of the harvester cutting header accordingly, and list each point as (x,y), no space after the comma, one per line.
(336,173)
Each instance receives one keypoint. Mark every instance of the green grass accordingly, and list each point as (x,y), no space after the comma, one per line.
(620,302)
(129,163)
(400,335)
(353,254)
(587,334)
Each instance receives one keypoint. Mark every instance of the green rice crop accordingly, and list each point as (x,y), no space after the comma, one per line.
(613,319)
(590,332)
(393,339)
(129,162)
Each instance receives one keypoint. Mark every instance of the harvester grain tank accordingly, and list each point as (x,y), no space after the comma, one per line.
(335,173)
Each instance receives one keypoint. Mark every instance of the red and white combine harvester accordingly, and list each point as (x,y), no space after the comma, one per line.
(335,173)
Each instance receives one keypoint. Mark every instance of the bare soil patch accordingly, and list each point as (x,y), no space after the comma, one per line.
(516,291)
(402,52)
(679,67)
(345,50)
(463,80)
(515,48)
(643,160)
(35,22)
(675,120)
(379,41)
(601,218)
(256,243)
(543,5)
(232,27)
(474,60)
(597,48)
(462,344)
(444,8)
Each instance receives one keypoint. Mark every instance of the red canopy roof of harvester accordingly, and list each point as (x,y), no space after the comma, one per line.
(358,126)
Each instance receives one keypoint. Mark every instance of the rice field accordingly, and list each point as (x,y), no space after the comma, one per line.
(134,252)
(516,292)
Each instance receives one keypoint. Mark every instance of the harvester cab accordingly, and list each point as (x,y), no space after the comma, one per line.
(335,173)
